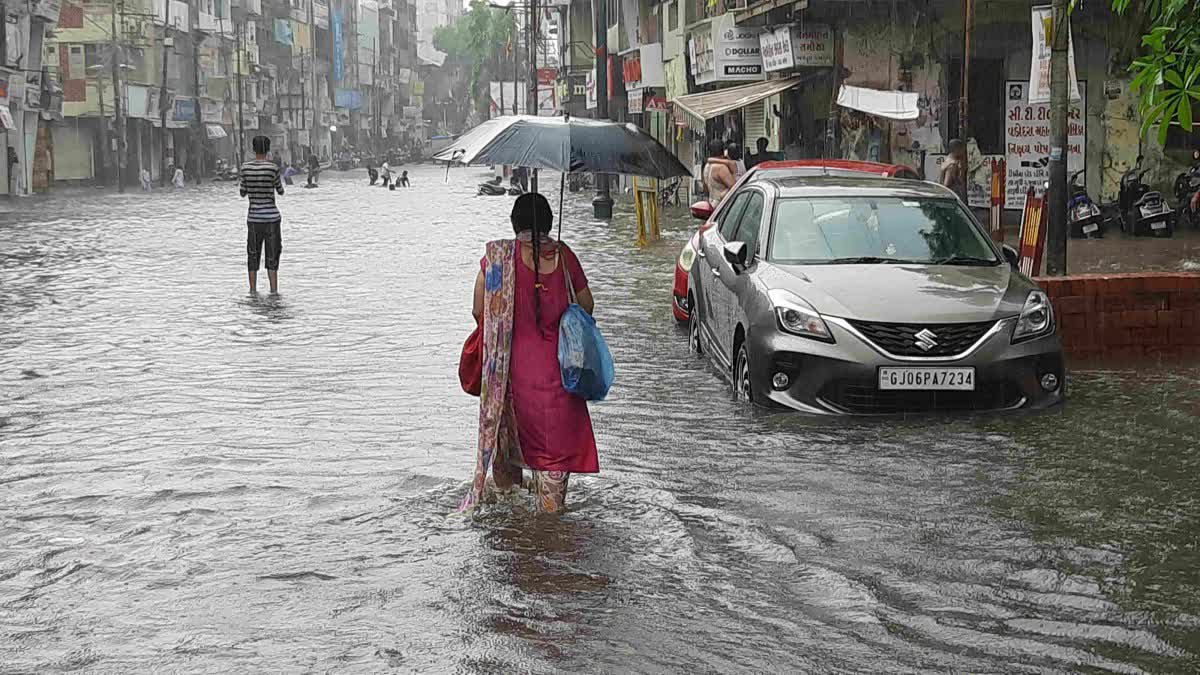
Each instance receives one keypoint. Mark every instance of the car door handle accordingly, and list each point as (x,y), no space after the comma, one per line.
(701,253)
(716,272)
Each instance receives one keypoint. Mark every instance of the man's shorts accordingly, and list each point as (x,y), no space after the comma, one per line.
(260,236)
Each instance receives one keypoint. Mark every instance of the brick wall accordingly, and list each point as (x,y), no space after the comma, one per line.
(1127,316)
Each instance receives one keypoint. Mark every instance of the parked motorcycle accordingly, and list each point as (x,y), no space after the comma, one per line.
(1187,184)
(1144,213)
(1083,215)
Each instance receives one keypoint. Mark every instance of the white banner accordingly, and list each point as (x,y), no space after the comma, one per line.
(1027,141)
(1039,69)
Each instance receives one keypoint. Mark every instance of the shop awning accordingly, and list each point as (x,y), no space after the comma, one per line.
(710,104)
(894,105)
(215,131)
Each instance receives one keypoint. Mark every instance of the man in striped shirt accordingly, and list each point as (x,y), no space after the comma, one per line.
(260,182)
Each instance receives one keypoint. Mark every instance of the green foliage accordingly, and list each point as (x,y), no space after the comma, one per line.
(477,41)
(1166,75)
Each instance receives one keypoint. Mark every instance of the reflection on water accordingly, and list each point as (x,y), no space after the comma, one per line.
(196,479)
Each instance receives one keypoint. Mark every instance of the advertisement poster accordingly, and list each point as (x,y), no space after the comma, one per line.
(1039,69)
(1027,140)
(730,53)
(776,49)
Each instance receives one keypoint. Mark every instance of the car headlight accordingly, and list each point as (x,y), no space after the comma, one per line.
(797,317)
(1037,318)
(687,256)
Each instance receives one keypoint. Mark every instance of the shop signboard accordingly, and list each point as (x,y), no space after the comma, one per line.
(727,53)
(339,48)
(655,104)
(1027,140)
(812,46)
(776,48)
(321,13)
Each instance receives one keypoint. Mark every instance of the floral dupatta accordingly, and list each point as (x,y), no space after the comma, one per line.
(497,423)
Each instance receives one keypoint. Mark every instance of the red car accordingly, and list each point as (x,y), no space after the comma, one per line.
(705,211)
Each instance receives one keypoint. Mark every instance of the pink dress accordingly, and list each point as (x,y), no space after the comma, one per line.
(554,427)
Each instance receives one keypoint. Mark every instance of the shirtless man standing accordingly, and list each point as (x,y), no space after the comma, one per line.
(718,173)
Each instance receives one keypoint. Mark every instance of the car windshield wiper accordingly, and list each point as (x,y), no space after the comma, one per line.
(865,260)
(964,260)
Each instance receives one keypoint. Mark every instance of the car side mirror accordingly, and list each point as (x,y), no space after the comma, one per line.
(1011,255)
(702,210)
(736,254)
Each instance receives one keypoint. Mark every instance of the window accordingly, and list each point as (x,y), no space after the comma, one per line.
(841,229)
(671,8)
(750,223)
(730,217)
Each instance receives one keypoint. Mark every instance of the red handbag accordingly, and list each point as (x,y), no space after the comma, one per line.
(470,365)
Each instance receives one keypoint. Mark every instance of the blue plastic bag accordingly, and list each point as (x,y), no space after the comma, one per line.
(583,356)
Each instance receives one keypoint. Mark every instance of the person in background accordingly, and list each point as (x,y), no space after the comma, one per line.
(734,152)
(12,162)
(527,420)
(718,173)
(404,179)
(954,169)
(177,180)
(762,155)
(260,181)
(288,173)
(385,172)
(144,176)
(278,160)
(314,170)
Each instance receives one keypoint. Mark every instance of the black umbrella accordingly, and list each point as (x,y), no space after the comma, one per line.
(564,144)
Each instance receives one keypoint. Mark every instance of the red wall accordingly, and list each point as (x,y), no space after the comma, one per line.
(1150,314)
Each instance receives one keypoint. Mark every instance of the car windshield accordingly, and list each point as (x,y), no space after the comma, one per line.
(877,230)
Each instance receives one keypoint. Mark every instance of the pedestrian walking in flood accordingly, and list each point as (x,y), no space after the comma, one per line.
(177,180)
(314,171)
(527,420)
(288,173)
(260,181)
(144,176)
(404,179)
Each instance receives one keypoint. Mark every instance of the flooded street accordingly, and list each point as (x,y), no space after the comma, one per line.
(194,479)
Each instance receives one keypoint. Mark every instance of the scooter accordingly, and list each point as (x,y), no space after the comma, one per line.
(1187,184)
(1083,215)
(1143,211)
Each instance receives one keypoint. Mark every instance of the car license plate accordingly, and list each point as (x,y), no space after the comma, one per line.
(1158,225)
(1088,229)
(951,379)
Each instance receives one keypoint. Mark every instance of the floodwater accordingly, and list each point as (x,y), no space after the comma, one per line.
(193,479)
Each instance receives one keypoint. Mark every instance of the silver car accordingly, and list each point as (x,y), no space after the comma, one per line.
(869,296)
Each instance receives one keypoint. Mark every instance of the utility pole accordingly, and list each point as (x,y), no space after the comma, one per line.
(117,62)
(103,122)
(602,203)
(303,102)
(516,53)
(162,91)
(241,139)
(1056,235)
(533,76)
(313,134)
(964,127)
(199,132)
(376,101)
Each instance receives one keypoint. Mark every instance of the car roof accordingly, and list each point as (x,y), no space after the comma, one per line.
(844,165)
(846,186)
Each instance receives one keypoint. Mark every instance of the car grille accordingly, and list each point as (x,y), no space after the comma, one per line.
(900,339)
(864,398)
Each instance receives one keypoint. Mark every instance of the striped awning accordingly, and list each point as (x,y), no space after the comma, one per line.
(698,108)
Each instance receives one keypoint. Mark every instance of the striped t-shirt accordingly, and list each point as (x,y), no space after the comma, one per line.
(260,182)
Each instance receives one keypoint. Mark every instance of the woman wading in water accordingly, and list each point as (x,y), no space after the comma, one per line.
(526,419)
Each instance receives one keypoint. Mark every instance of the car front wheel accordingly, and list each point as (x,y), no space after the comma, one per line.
(741,375)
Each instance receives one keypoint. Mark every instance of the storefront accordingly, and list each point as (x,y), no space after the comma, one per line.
(794,121)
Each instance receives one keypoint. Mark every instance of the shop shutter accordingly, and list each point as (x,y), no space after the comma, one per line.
(755,124)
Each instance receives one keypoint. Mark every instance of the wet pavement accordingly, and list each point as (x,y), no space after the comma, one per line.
(193,479)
